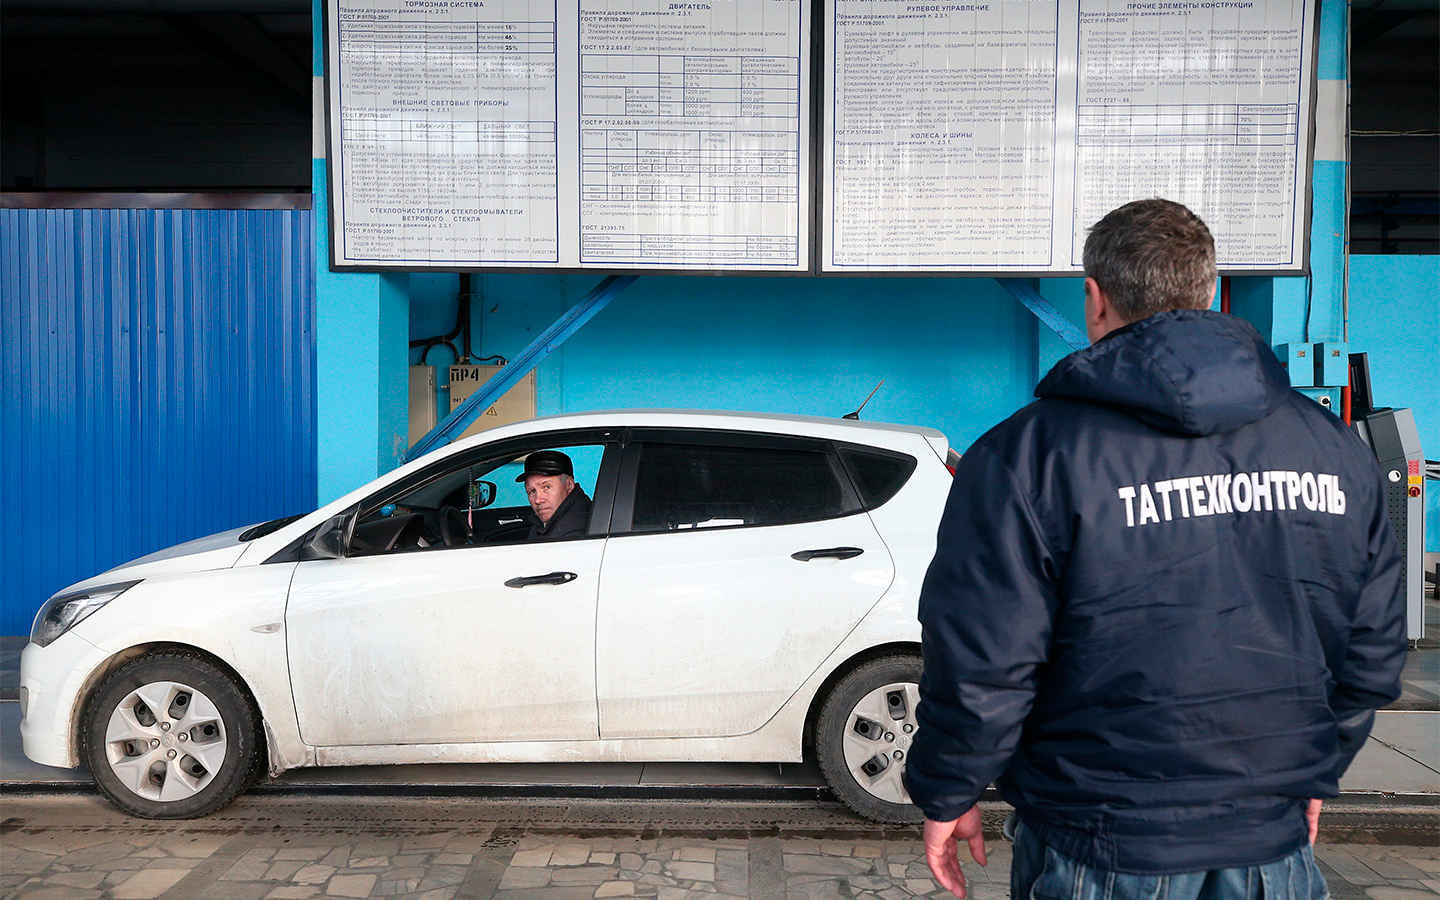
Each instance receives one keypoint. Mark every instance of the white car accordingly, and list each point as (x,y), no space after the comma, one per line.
(747,586)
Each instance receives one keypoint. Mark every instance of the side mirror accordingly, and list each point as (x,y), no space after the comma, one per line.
(331,539)
(484,494)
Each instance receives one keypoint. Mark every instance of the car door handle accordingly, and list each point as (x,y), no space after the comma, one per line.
(831,553)
(552,578)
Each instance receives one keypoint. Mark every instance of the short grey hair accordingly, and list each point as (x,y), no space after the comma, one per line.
(1150,256)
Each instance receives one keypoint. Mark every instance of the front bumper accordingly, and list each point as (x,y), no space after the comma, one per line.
(52,678)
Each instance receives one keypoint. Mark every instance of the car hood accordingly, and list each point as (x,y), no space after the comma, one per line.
(215,551)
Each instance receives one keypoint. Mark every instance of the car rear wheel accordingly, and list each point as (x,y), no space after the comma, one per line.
(863,735)
(171,736)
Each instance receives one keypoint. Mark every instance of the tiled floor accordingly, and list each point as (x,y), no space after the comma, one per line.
(475,860)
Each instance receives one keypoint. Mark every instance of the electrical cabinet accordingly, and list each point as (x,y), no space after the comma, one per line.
(422,402)
(1318,371)
(1332,364)
(1299,361)
(515,405)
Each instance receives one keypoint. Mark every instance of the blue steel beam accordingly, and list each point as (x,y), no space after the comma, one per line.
(1024,292)
(570,322)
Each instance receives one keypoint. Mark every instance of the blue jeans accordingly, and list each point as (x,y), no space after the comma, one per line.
(1040,873)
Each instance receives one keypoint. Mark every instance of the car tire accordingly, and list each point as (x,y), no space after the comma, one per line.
(188,758)
(863,734)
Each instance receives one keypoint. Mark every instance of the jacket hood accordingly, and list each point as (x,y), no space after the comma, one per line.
(1193,372)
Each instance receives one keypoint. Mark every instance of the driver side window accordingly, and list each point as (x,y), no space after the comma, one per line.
(474,500)
(510,493)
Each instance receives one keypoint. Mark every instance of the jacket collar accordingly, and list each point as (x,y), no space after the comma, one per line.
(1193,372)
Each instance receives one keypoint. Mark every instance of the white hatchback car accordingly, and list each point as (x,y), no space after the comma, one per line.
(747,587)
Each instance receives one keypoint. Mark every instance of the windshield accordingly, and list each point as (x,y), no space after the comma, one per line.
(265,528)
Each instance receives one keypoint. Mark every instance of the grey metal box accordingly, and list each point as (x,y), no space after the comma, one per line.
(1392,434)
(422,402)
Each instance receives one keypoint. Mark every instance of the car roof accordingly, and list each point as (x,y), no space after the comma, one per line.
(814,426)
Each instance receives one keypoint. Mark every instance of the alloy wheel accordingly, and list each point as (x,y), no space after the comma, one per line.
(878,734)
(165,741)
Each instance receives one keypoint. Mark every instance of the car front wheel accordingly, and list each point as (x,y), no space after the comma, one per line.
(171,736)
(863,735)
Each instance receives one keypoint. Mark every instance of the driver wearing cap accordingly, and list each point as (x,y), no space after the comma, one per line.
(559,507)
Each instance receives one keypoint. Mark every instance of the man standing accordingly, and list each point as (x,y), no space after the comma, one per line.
(558,506)
(1164,605)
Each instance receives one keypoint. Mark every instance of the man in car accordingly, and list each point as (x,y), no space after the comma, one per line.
(1164,605)
(559,507)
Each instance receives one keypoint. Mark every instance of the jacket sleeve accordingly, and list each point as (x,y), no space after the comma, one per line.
(986,611)
(1369,676)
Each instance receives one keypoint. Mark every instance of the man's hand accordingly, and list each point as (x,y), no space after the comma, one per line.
(942,840)
(1312,818)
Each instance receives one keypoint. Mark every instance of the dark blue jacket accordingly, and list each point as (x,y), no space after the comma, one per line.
(1164,606)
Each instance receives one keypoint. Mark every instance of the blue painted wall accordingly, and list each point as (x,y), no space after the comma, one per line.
(1395,317)
(361,386)
(958,354)
(158,383)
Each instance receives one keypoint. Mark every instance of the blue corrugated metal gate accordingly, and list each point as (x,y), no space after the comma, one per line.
(158,375)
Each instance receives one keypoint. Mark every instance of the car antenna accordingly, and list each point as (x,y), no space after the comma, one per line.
(856,413)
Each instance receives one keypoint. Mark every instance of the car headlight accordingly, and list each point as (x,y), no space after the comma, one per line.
(64,611)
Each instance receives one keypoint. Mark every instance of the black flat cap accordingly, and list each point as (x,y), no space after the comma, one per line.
(547,462)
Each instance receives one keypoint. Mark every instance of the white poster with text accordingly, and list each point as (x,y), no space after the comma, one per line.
(647,134)
(988,137)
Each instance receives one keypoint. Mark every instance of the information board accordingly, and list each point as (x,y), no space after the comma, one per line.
(648,134)
(989,136)
(676,135)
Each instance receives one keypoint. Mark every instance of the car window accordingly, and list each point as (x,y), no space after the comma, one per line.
(509,492)
(877,474)
(681,487)
(424,516)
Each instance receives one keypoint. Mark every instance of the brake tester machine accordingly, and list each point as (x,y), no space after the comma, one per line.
(1392,434)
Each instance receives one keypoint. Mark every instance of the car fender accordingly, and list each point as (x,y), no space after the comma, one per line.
(891,622)
(235,615)
(52,677)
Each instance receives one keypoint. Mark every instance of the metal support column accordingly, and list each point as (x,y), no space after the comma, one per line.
(570,322)
(1026,293)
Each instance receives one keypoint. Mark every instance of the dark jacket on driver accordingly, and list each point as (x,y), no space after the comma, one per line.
(572,518)
(1164,606)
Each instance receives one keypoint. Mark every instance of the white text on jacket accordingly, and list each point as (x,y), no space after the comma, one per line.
(1243,492)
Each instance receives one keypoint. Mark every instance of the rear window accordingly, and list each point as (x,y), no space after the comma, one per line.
(878,475)
(688,486)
